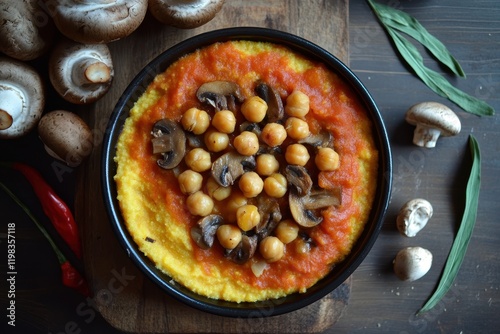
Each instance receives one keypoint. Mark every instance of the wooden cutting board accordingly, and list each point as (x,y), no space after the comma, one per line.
(122,294)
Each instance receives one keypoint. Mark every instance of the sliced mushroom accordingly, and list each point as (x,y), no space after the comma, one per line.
(244,251)
(25,32)
(432,120)
(170,140)
(22,98)
(229,166)
(97,21)
(303,207)
(251,127)
(270,216)
(185,14)
(275,109)
(299,178)
(218,93)
(193,140)
(81,73)
(322,139)
(203,233)
(413,216)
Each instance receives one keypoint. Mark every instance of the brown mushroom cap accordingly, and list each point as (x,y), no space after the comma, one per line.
(93,22)
(185,14)
(22,98)
(66,136)
(24,33)
(432,120)
(81,73)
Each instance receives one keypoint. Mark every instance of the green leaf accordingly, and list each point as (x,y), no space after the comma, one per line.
(459,247)
(436,81)
(411,55)
(407,24)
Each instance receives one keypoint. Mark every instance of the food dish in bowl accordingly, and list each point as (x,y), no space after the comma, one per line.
(154,214)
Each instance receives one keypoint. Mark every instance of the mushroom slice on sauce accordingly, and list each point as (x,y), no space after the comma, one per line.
(302,207)
(321,139)
(229,166)
(244,251)
(275,109)
(204,232)
(251,127)
(220,94)
(270,216)
(170,140)
(299,178)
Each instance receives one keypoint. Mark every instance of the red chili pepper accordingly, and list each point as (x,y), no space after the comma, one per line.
(70,276)
(54,207)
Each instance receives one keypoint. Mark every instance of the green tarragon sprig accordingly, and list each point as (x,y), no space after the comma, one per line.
(459,247)
(397,22)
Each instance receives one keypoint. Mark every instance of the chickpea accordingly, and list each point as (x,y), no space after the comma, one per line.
(254,109)
(327,159)
(195,120)
(216,141)
(297,104)
(251,184)
(267,164)
(302,246)
(287,231)
(271,249)
(224,121)
(247,217)
(296,128)
(273,134)
(199,204)
(275,185)
(297,154)
(216,191)
(190,181)
(246,143)
(229,235)
(198,160)
(236,200)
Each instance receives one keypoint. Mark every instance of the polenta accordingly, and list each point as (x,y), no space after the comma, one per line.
(163,210)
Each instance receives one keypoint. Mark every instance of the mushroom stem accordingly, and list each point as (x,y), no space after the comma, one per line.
(425,136)
(6,120)
(90,71)
(12,101)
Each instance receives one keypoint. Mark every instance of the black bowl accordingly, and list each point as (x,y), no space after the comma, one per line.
(270,307)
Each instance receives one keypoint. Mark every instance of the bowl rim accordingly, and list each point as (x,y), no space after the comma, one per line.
(270,307)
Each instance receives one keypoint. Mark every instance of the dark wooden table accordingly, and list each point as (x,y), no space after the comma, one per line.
(379,302)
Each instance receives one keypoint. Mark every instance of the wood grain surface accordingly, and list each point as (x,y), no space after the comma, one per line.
(123,295)
(379,302)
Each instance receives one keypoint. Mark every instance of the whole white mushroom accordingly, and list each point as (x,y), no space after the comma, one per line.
(413,216)
(97,21)
(432,120)
(81,73)
(22,98)
(66,136)
(412,263)
(184,14)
